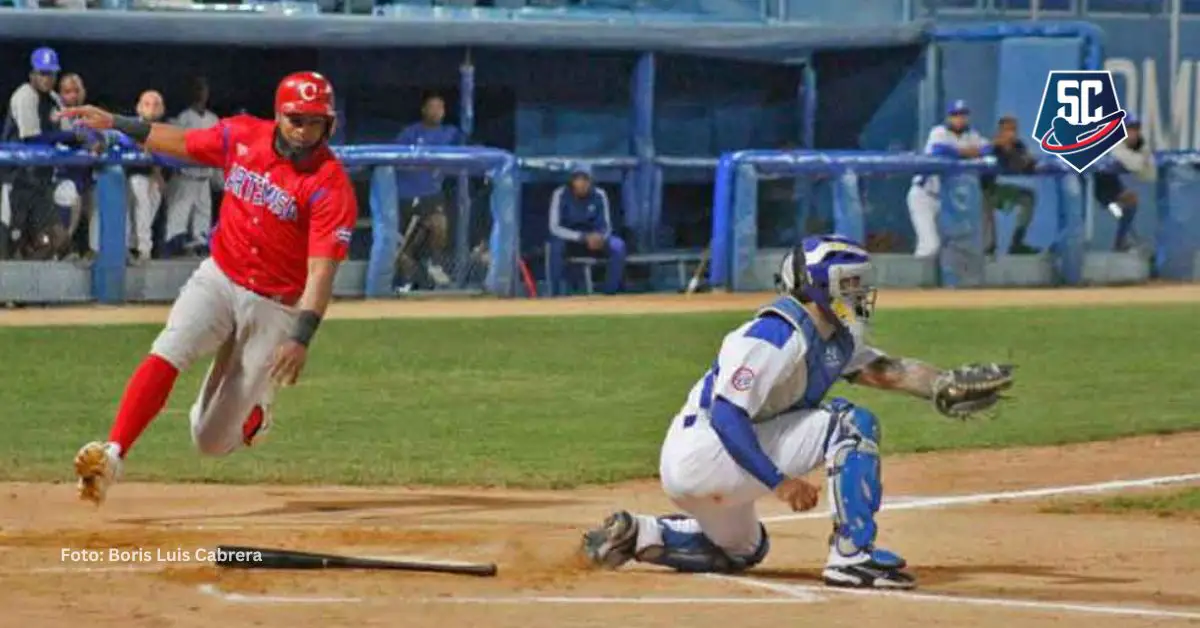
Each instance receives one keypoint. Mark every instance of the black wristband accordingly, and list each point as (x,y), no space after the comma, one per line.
(306,327)
(135,128)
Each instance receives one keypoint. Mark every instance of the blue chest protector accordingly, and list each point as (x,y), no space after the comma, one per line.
(824,359)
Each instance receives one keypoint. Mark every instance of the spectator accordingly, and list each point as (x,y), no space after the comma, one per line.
(426,229)
(73,187)
(145,186)
(34,229)
(954,139)
(189,194)
(1014,159)
(581,226)
(1135,156)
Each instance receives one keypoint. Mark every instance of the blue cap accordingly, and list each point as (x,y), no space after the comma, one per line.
(1131,119)
(957,107)
(581,169)
(44,60)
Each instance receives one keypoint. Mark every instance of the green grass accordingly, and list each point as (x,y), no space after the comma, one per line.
(1179,503)
(555,402)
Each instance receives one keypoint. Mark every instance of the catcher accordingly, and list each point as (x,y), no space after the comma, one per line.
(755,424)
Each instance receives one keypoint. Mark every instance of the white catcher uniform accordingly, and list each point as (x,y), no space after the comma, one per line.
(757,417)
(924,196)
(777,368)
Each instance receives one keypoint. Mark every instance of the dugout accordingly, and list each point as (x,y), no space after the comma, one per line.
(650,90)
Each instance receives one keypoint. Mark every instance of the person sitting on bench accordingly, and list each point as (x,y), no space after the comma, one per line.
(581,226)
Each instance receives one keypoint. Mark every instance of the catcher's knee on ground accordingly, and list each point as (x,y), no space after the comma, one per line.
(853,468)
(676,541)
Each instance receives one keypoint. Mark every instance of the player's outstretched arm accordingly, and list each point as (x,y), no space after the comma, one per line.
(155,137)
(900,374)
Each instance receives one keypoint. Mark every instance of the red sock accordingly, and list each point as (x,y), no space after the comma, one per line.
(144,398)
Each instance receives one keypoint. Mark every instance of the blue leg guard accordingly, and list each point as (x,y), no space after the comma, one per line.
(855,489)
(685,548)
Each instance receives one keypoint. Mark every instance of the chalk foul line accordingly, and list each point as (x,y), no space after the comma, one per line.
(808,590)
(983,498)
(239,598)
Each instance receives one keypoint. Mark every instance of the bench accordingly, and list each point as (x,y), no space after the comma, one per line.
(680,259)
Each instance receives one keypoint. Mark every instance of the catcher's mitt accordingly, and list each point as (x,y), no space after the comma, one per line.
(971,388)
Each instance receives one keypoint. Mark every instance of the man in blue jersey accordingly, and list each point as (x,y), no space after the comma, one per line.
(581,226)
(423,201)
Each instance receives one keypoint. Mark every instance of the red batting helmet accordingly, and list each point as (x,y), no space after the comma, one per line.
(304,93)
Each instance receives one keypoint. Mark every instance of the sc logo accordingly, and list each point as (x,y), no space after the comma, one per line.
(1076,96)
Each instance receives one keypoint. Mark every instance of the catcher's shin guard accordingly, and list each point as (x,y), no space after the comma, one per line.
(676,541)
(855,490)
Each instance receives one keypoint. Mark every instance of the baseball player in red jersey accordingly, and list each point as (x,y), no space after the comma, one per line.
(255,304)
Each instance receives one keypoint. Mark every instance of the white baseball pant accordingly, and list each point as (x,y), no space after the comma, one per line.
(144,199)
(213,315)
(5,206)
(923,207)
(701,478)
(189,208)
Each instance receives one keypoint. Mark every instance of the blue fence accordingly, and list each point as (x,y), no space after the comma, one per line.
(735,208)
(108,270)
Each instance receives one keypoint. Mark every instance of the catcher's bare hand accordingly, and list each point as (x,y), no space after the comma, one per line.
(797,494)
(289,362)
(89,116)
(971,388)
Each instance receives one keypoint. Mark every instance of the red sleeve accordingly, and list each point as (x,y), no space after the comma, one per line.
(333,210)
(210,146)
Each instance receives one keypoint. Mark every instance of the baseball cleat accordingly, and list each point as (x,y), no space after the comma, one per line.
(875,569)
(868,576)
(613,543)
(98,465)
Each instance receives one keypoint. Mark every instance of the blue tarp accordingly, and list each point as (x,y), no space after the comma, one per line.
(434,27)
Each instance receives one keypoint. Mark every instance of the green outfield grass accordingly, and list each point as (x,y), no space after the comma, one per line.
(1183,502)
(555,402)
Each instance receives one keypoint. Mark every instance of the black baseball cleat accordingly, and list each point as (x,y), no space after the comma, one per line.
(613,543)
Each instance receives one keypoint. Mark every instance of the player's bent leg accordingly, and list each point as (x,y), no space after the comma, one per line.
(675,541)
(855,495)
(718,536)
(234,406)
(238,413)
(199,320)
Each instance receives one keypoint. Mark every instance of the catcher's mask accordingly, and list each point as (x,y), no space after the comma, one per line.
(834,273)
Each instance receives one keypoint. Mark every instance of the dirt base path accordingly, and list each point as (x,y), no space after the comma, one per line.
(971,524)
(482,307)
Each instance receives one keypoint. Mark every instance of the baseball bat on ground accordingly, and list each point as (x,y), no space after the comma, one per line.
(694,283)
(244,557)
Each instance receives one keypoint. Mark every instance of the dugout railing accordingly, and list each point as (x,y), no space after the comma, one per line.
(107,276)
(960,263)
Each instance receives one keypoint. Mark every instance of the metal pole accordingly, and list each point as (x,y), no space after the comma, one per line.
(1034,8)
(1176,10)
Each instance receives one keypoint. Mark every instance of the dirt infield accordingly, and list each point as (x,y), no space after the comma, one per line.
(971,524)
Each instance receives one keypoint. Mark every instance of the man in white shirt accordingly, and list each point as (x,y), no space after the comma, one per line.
(189,194)
(954,139)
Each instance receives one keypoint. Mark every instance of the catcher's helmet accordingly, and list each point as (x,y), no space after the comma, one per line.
(831,271)
(304,93)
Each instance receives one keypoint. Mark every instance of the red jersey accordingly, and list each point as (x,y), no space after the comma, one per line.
(273,216)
